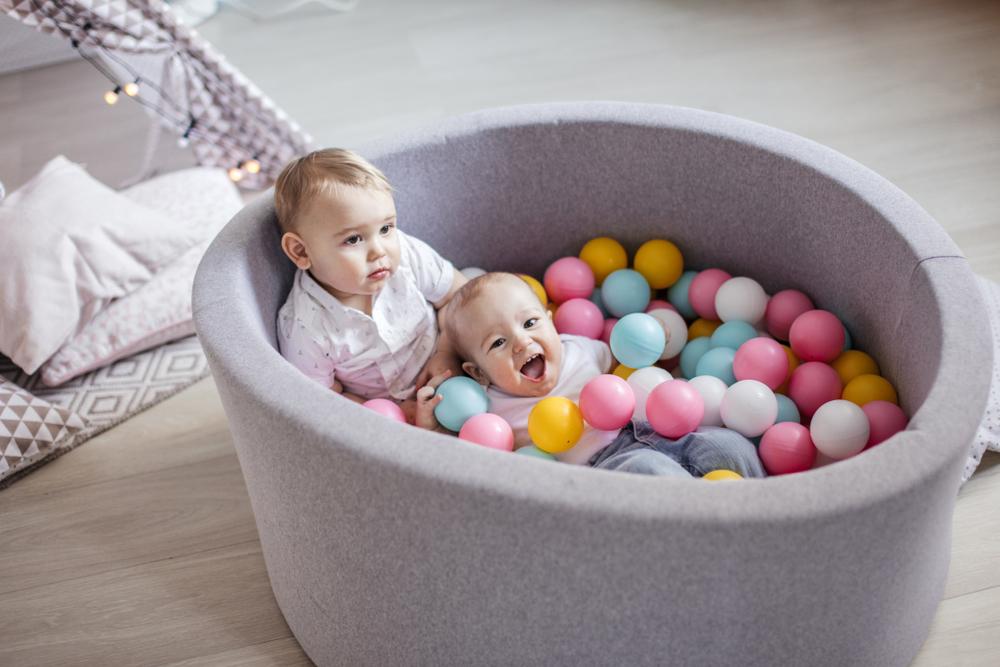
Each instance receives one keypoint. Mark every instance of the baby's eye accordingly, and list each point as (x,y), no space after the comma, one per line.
(530,322)
(497,343)
(353,239)
(387,228)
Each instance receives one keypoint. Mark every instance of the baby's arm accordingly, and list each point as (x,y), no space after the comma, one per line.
(339,388)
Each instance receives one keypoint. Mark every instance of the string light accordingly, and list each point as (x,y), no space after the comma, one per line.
(236,174)
(252,166)
(111,96)
(132,88)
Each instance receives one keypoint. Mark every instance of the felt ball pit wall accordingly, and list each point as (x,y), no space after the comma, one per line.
(385,544)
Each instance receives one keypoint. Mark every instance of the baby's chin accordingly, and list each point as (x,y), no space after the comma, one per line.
(521,386)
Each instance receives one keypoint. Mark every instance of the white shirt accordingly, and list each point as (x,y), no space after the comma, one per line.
(583,359)
(372,356)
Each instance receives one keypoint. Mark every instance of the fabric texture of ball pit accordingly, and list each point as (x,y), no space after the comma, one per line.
(387,544)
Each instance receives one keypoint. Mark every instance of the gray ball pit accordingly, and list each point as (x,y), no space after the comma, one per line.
(389,545)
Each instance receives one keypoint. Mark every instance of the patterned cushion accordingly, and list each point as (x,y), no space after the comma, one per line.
(31,428)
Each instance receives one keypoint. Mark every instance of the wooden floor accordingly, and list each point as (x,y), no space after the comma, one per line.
(140,548)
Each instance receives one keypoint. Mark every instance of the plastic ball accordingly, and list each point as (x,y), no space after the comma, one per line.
(471,272)
(787,448)
(691,354)
(749,408)
(657,304)
(534,452)
(463,398)
(782,310)
(812,384)
(604,255)
(885,419)
(660,262)
(579,317)
(678,295)
(555,424)
(595,298)
(674,408)
(638,340)
(625,291)
(607,402)
(609,326)
(643,382)
(867,388)
(674,329)
(488,430)
(741,299)
(623,371)
(702,292)
(733,334)
(718,361)
(536,287)
(721,475)
(787,412)
(839,429)
(568,278)
(702,327)
(848,341)
(761,359)
(793,363)
(712,391)
(852,363)
(817,335)
(386,408)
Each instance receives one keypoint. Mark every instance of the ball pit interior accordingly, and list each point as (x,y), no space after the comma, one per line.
(387,544)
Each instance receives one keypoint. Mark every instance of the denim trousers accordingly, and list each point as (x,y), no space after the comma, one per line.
(640,449)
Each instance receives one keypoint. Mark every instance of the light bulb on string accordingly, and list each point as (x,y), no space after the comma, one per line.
(236,174)
(131,88)
(111,96)
(252,166)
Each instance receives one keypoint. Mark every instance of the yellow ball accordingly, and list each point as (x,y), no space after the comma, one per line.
(604,255)
(793,363)
(716,475)
(660,262)
(555,424)
(852,363)
(702,327)
(537,287)
(623,371)
(867,388)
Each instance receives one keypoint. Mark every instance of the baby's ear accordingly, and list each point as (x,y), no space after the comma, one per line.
(295,249)
(476,373)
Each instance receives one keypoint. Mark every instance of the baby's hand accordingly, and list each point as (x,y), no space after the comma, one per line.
(427,400)
(441,362)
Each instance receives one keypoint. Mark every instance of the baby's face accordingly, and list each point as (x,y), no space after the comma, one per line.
(350,239)
(511,339)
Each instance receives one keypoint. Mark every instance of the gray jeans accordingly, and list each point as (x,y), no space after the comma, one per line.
(640,449)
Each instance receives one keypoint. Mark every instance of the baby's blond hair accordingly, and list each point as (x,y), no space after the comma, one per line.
(318,172)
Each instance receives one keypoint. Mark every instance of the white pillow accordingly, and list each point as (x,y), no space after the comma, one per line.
(68,246)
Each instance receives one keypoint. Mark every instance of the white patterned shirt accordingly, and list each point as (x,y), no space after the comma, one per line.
(377,355)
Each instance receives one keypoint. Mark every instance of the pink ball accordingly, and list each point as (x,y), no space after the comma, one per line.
(701,293)
(660,303)
(817,335)
(885,419)
(785,448)
(674,408)
(386,408)
(580,317)
(782,310)
(609,324)
(761,359)
(488,430)
(568,278)
(607,402)
(812,384)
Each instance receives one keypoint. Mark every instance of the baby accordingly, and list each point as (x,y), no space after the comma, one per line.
(360,316)
(509,344)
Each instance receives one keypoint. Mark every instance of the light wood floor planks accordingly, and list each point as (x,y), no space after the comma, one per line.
(140,548)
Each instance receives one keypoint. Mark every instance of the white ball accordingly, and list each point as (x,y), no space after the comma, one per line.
(741,299)
(675,329)
(839,429)
(749,407)
(472,272)
(642,382)
(712,391)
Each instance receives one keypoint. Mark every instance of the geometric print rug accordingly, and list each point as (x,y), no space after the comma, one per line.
(106,396)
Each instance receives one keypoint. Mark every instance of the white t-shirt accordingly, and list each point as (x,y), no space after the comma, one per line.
(372,356)
(583,360)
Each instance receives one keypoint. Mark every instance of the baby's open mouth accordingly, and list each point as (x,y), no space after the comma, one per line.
(534,367)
